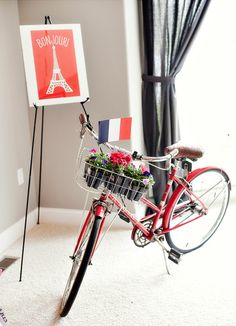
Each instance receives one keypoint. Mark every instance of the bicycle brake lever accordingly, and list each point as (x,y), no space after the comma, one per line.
(85,124)
(136,156)
(83,130)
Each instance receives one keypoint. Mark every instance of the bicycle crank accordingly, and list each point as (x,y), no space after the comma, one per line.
(138,237)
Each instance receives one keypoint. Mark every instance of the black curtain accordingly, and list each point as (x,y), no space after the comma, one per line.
(169,27)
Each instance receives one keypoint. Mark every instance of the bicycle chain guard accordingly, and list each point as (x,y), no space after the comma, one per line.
(138,237)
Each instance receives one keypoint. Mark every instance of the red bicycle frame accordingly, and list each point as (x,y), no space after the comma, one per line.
(163,210)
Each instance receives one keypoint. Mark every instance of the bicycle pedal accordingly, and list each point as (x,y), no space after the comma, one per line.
(123,217)
(174,256)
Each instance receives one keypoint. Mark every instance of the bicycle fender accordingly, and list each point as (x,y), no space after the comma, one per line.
(99,211)
(179,188)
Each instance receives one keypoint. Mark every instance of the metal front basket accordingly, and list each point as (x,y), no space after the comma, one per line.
(96,179)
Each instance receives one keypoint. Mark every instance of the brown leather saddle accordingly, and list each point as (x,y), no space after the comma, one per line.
(191,152)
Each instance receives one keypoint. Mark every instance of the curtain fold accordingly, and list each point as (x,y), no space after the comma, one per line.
(169,28)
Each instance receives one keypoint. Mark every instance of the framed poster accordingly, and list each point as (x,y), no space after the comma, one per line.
(54,64)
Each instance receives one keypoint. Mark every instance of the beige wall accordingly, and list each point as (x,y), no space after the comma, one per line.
(109,44)
(15,137)
(103,31)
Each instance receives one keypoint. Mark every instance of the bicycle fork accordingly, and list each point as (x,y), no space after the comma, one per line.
(100,210)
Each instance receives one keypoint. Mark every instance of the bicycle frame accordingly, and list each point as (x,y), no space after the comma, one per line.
(161,211)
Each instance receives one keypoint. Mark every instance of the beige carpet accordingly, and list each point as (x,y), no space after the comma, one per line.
(126,285)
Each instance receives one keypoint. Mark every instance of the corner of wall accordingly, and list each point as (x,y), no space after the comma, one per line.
(133,57)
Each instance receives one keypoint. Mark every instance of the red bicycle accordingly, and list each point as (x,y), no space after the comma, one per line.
(181,223)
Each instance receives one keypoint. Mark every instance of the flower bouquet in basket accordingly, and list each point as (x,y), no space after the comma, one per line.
(118,172)
(95,168)
(140,178)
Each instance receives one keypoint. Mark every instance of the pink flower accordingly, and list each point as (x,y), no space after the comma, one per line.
(119,158)
(143,168)
(93,150)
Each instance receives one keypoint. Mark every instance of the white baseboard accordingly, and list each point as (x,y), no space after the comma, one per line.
(73,217)
(60,216)
(15,231)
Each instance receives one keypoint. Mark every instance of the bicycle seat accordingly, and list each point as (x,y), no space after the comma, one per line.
(189,151)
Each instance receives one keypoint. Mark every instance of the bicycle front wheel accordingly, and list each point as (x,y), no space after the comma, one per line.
(81,260)
(212,188)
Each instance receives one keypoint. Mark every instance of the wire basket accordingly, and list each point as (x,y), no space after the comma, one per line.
(96,179)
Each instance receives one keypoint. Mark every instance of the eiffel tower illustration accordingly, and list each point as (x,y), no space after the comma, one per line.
(57,79)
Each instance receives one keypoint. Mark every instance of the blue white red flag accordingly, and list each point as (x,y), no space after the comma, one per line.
(114,129)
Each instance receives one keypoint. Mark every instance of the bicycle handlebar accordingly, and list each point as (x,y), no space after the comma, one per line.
(88,127)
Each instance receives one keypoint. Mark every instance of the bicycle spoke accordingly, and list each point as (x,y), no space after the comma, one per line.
(216,197)
(208,200)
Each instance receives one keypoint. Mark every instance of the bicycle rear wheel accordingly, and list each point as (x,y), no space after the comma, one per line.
(212,187)
(80,262)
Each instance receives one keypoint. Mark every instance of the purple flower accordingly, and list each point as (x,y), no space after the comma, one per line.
(146,174)
(145,182)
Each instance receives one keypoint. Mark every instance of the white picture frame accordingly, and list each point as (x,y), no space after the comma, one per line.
(54,64)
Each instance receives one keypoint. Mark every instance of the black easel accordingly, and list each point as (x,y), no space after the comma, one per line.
(47,20)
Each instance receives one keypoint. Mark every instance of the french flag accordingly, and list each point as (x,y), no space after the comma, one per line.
(114,129)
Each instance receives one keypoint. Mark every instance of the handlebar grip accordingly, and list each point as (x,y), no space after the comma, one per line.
(82,118)
(174,153)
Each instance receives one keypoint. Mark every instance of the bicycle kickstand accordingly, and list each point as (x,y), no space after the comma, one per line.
(165,260)
(173,254)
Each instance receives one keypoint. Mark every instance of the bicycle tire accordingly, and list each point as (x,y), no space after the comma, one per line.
(80,263)
(212,185)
